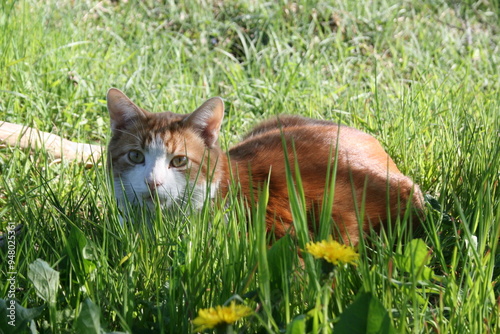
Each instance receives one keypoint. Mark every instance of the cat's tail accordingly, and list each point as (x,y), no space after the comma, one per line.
(24,137)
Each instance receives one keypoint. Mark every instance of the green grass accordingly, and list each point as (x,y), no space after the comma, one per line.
(421,76)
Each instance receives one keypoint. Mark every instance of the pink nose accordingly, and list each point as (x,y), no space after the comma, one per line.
(153,184)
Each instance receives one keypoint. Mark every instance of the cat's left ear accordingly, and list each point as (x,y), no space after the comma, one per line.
(207,119)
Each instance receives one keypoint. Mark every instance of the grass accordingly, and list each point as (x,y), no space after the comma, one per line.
(421,76)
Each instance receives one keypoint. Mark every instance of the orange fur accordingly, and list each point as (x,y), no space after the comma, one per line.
(362,164)
(365,172)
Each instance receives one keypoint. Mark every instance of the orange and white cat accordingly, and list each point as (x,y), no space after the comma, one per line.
(173,159)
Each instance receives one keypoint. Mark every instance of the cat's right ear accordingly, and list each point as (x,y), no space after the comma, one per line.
(122,110)
(207,120)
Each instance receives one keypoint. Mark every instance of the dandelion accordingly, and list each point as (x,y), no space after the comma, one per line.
(332,251)
(220,315)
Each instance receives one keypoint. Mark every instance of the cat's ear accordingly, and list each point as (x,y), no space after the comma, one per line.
(122,110)
(207,120)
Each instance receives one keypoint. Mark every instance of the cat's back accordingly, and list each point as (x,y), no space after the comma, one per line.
(364,172)
(313,142)
(287,122)
(270,134)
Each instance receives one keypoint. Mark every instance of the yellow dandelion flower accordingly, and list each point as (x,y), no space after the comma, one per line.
(213,317)
(332,251)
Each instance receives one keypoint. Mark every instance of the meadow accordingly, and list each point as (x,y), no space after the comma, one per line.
(421,76)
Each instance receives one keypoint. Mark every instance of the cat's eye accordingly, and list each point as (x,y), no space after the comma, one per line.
(137,157)
(179,161)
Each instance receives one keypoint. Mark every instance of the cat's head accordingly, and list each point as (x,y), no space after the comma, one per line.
(165,158)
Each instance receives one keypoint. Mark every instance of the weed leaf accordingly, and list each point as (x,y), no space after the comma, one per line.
(297,326)
(44,279)
(18,321)
(84,255)
(89,319)
(279,260)
(415,259)
(365,315)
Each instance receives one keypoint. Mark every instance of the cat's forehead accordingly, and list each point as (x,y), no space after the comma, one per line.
(164,129)
(163,121)
(167,116)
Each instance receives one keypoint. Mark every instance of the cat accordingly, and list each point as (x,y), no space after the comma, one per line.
(170,159)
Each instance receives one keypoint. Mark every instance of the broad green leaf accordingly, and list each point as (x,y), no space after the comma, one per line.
(14,318)
(279,259)
(89,319)
(415,259)
(81,251)
(44,279)
(297,326)
(365,315)
(263,265)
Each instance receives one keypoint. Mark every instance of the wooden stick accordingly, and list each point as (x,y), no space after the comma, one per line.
(16,135)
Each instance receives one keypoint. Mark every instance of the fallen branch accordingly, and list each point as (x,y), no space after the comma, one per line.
(15,135)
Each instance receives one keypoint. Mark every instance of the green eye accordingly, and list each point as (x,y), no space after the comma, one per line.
(179,161)
(137,157)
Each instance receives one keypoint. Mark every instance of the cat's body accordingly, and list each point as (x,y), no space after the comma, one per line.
(167,158)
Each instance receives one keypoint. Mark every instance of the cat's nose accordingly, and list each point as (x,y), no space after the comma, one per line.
(153,184)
